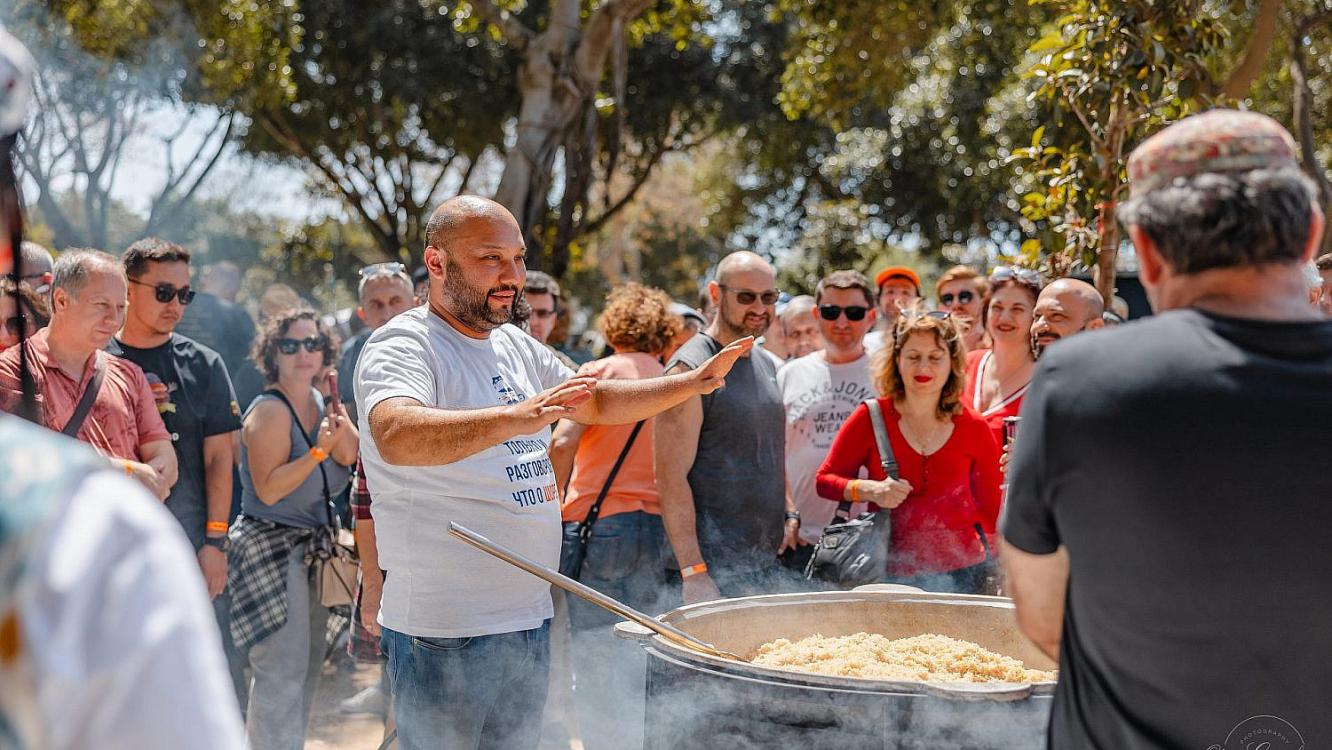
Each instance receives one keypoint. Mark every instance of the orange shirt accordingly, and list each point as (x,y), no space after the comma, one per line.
(123,417)
(635,487)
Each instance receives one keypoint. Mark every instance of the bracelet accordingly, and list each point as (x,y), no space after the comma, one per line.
(855,490)
(219,527)
(693,570)
(318,455)
(129,469)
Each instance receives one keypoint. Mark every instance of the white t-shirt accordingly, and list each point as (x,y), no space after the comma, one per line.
(437,585)
(119,635)
(818,397)
(874,341)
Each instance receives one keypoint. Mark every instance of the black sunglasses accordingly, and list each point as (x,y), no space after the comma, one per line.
(164,292)
(963,298)
(854,313)
(746,297)
(311,344)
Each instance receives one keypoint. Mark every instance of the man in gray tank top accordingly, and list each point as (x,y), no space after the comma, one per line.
(720,458)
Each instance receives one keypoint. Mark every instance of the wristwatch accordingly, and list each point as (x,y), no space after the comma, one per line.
(793,515)
(219,542)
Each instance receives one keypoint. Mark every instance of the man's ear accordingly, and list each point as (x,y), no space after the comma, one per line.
(59,300)
(714,293)
(1151,265)
(360,313)
(1094,323)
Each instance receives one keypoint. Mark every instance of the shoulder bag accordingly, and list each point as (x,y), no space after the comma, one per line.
(854,551)
(333,552)
(573,567)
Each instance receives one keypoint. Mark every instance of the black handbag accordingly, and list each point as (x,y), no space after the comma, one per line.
(572,566)
(854,551)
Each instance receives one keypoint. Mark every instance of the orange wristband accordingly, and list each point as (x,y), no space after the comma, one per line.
(129,469)
(693,570)
(855,490)
(218,527)
(318,455)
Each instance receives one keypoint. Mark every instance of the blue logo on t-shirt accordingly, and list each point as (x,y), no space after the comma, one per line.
(506,392)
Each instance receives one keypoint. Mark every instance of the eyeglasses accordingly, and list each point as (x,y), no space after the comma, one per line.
(383,269)
(14,324)
(1020,275)
(854,313)
(543,314)
(165,292)
(963,298)
(746,297)
(311,344)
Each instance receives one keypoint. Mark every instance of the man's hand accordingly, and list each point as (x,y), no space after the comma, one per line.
(699,588)
(554,404)
(886,494)
(790,537)
(1003,461)
(213,563)
(711,375)
(149,477)
(372,591)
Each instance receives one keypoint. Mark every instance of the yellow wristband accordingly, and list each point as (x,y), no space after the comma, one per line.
(318,455)
(693,570)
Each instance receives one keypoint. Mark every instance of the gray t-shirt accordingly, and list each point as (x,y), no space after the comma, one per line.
(738,477)
(304,507)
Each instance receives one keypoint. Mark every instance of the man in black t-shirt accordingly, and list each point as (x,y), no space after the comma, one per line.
(1167,513)
(193,393)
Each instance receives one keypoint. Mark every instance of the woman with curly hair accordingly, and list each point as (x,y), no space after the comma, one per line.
(623,554)
(294,458)
(946,500)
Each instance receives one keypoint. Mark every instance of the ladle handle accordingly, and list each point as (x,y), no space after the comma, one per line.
(666,631)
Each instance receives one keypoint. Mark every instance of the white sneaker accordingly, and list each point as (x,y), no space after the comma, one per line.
(368,701)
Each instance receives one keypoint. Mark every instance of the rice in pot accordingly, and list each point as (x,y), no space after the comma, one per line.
(924,658)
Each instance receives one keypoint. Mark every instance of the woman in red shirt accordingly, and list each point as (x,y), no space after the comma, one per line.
(948,460)
(997,378)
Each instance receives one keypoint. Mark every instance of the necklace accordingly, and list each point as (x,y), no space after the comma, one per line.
(923,445)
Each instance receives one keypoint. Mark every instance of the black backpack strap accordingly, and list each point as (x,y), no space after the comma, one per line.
(585,527)
(85,405)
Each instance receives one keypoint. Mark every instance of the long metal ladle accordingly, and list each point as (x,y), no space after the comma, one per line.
(666,631)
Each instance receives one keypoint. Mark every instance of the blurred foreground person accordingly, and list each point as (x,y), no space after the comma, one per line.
(620,550)
(106,638)
(1165,523)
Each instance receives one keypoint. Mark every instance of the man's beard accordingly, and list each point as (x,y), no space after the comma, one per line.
(472,306)
(739,327)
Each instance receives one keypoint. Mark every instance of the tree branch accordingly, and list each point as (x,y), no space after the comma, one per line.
(1241,79)
(514,33)
(598,35)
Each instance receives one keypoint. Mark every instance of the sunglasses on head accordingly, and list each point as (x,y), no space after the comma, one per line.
(854,313)
(1021,275)
(746,297)
(383,269)
(963,298)
(164,292)
(311,344)
(908,316)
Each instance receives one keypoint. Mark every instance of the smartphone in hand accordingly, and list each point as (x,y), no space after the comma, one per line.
(333,390)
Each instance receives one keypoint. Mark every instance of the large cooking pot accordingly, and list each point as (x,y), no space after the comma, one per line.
(695,700)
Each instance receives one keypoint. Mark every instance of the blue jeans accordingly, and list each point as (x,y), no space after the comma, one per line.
(624,560)
(458,693)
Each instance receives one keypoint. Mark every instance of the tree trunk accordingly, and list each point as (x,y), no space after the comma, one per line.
(1108,253)
(1303,106)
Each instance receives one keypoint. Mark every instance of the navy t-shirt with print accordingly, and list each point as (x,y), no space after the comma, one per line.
(195,398)
(1183,462)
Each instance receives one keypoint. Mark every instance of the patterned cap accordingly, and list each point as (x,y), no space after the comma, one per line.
(1222,140)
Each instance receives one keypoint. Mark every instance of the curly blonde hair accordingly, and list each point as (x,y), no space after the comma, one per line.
(884,368)
(639,318)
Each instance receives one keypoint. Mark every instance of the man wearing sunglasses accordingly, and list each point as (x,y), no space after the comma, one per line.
(458,404)
(899,288)
(721,475)
(120,418)
(960,291)
(192,393)
(819,392)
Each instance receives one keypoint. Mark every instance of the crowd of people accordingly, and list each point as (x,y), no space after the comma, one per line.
(700,456)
